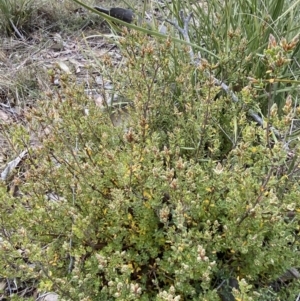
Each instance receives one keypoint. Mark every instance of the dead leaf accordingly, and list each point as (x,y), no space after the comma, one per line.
(4,117)
(49,297)
(2,285)
(12,165)
(63,67)
(99,101)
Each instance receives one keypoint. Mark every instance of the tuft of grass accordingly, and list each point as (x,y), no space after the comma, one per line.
(15,16)
(223,26)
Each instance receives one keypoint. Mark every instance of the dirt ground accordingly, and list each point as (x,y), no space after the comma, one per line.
(25,64)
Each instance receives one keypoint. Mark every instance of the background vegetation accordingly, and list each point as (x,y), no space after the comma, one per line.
(170,186)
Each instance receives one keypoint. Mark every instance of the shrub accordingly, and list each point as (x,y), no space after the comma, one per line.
(185,195)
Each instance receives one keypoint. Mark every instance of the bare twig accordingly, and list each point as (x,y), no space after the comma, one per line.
(71,264)
(259,197)
(16,30)
(185,30)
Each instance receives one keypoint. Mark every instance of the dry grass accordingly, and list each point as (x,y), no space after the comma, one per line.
(61,34)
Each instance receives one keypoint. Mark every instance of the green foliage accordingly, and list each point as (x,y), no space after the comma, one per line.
(237,32)
(15,15)
(185,194)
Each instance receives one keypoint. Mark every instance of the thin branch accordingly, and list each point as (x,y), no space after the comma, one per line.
(258,199)
(16,30)
(185,30)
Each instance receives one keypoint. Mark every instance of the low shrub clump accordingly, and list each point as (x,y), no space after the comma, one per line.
(187,199)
